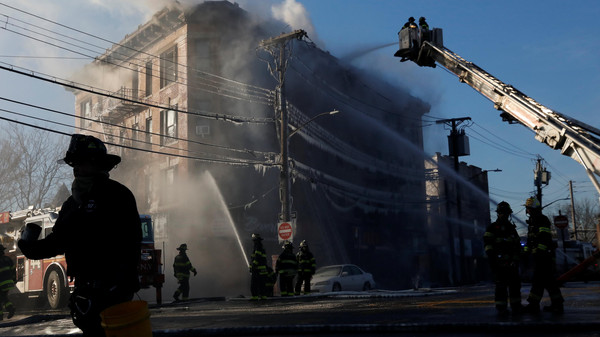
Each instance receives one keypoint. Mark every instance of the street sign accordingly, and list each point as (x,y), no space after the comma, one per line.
(561,221)
(284,231)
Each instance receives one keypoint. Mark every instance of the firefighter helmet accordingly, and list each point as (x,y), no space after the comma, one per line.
(411,19)
(303,244)
(532,202)
(421,19)
(183,246)
(287,245)
(256,237)
(503,207)
(84,148)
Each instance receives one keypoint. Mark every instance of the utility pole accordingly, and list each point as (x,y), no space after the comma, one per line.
(573,210)
(454,149)
(276,46)
(541,176)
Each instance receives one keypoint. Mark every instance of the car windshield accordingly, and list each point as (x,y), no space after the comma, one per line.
(329,271)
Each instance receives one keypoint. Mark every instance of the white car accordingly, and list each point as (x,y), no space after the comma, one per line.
(342,277)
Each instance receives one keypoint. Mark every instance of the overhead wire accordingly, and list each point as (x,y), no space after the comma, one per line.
(263,99)
(253,152)
(210,160)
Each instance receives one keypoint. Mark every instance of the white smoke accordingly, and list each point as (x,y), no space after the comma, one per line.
(296,16)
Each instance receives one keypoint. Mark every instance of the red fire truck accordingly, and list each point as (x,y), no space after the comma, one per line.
(46,279)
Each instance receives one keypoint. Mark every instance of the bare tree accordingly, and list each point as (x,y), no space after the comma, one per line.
(31,176)
(586,216)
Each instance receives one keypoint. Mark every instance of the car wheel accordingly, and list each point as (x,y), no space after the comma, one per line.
(336,287)
(367,286)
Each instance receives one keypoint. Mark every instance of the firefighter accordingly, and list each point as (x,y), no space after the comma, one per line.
(423,24)
(100,214)
(8,276)
(542,249)
(182,268)
(306,268)
(259,269)
(503,249)
(286,267)
(410,23)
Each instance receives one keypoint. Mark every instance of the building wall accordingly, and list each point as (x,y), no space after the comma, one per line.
(374,217)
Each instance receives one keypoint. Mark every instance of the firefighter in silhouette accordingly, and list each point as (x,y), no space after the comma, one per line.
(258,269)
(542,249)
(503,249)
(8,276)
(286,267)
(423,24)
(306,268)
(99,212)
(182,268)
(410,23)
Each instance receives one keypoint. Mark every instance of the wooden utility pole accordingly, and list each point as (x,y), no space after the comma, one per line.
(276,46)
(455,151)
(573,210)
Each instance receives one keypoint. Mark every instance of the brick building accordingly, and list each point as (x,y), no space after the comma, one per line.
(190,107)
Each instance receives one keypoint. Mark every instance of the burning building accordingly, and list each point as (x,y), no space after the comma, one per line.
(191,108)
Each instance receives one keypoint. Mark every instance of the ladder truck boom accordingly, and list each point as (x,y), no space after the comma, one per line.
(573,138)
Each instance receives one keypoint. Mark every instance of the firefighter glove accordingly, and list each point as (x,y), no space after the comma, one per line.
(195,272)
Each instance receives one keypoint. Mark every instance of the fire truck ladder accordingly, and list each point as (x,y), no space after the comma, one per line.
(573,138)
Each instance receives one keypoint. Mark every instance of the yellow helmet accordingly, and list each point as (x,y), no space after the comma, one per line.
(532,202)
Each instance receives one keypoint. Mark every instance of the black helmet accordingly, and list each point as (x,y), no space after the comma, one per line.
(503,207)
(411,19)
(287,245)
(183,247)
(256,237)
(421,19)
(88,148)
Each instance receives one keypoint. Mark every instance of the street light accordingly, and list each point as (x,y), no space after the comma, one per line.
(284,177)
(333,112)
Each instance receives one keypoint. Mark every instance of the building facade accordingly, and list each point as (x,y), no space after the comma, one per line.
(189,103)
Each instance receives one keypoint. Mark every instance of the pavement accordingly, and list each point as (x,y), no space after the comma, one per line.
(442,312)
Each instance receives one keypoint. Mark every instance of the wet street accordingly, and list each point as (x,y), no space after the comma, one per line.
(464,311)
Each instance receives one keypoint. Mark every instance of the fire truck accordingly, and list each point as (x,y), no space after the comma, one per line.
(46,279)
(571,137)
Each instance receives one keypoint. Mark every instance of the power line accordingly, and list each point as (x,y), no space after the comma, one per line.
(253,152)
(210,160)
(101,92)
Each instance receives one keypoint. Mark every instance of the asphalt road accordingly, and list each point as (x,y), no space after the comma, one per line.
(464,311)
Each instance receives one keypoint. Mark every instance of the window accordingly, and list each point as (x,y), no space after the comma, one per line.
(168,126)
(135,130)
(203,60)
(168,67)
(86,112)
(149,132)
(148,78)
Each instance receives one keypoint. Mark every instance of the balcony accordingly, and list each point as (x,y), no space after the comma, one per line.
(123,103)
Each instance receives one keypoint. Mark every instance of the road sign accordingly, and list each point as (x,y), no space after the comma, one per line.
(561,221)
(284,231)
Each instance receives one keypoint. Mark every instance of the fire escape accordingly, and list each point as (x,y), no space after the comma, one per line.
(112,110)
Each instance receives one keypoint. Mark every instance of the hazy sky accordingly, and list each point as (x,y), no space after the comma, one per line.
(547,49)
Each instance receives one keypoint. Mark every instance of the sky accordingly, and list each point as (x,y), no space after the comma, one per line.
(547,49)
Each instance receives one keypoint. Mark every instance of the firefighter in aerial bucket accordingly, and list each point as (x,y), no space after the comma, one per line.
(182,268)
(99,231)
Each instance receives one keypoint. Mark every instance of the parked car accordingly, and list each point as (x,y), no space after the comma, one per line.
(342,277)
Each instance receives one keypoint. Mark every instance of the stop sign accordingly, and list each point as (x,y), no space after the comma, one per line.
(561,221)
(285,231)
